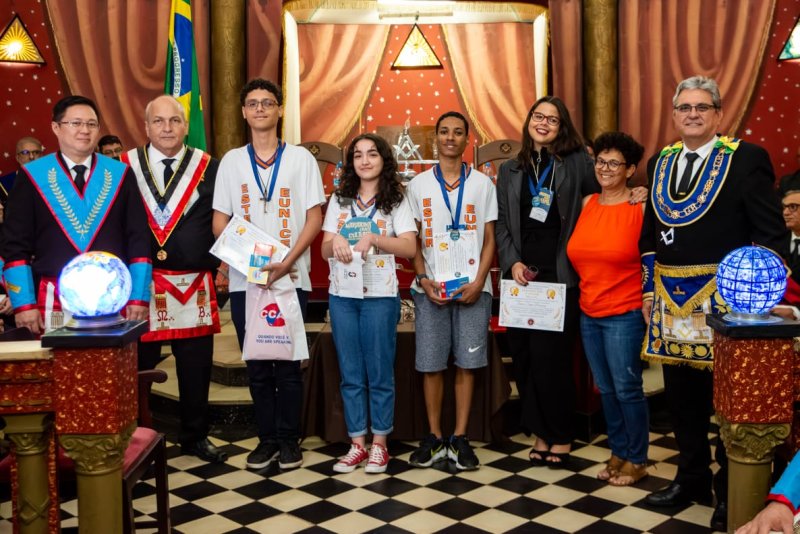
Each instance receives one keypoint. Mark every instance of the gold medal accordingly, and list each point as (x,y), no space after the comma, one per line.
(161,254)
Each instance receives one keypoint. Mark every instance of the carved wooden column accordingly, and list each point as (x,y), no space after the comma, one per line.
(35,504)
(754,400)
(600,66)
(228,72)
(26,406)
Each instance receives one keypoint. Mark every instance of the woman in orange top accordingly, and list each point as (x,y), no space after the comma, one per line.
(604,251)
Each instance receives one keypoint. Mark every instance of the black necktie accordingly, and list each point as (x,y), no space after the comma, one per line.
(80,181)
(686,177)
(167,171)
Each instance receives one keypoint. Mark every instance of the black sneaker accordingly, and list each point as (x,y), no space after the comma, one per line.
(461,453)
(290,456)
(265,452)
(430,450)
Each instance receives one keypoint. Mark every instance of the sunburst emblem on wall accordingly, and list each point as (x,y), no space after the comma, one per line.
(16,44)
(416,53)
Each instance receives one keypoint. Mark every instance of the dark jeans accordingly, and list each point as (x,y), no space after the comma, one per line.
(689,395)
(275,386)
(193,360)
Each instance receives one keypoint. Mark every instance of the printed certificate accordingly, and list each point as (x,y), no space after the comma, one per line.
(456,258)
(347,279)
(374,277)
(537,306)
(237,242)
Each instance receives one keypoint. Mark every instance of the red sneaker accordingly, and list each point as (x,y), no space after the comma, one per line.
(354,457)
(378,459)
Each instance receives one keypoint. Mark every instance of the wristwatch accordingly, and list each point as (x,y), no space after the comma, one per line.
(420,278)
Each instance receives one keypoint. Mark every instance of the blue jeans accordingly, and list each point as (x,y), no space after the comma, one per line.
(365,335)
(613,346)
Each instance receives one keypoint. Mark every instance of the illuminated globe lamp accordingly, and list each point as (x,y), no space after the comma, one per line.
(94,287)
(751,280)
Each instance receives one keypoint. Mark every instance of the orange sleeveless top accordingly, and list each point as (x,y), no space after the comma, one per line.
(604,251)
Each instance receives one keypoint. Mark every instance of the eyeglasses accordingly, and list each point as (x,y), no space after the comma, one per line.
(685,109)
(612,164)
(266,103)
(112,151)
(77,124)
(159,122)
(29,153)
(791,207)
(552,120)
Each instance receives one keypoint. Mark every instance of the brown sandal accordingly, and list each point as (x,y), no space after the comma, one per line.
(629,474)
(611,469)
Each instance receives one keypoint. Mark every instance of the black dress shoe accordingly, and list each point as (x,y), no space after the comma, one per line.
(676,495)
(719,519)
(204,450)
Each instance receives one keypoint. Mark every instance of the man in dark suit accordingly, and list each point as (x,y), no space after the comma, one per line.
(177,185)
(709,195)
(67,203)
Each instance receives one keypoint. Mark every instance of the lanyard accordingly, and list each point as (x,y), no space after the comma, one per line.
(371,215)
(540,182)
(273,175)
(456,217)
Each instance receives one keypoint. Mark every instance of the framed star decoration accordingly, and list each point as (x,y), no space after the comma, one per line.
(16,45)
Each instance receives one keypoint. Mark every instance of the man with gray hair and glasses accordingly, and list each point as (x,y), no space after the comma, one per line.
(709,194)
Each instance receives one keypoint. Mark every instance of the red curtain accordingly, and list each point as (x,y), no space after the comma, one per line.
(662,42)
(493,65)
(566,51)
(116,55)
(264,39)
(338,64)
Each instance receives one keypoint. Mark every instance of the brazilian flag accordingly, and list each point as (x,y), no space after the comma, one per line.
(182,78)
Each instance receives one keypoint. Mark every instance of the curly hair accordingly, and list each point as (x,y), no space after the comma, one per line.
(261,83)
(630,149)
(390,190)
(567,141)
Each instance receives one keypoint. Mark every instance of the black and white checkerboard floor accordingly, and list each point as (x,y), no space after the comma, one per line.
(505,495)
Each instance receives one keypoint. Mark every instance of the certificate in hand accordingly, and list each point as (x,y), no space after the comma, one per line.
(347,279)
(455,258)
(374,277)
(537,306)
(237,242)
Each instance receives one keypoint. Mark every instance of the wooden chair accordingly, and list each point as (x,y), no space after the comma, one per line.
(147,447)
(324,153)
(494,154)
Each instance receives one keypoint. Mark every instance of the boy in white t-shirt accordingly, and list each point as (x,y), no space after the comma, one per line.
(452,202)
(277,187)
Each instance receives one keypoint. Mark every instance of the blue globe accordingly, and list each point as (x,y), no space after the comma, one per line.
(751,280)
(94,284)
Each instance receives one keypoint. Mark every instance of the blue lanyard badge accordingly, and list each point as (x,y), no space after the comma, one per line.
(455,217)
(539,186)
(276,165)
(541,195)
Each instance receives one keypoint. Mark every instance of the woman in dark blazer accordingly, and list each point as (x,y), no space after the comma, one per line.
(539,196)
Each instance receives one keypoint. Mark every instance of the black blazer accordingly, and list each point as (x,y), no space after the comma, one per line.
(573,178)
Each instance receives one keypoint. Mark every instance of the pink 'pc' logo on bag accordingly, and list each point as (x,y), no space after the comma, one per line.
(273,315)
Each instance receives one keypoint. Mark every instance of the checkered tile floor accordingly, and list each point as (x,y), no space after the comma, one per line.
(505,495)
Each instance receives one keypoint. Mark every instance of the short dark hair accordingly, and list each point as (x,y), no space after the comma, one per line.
(61,107)
(630,149)
(261,83)
(455,114)
(108,140)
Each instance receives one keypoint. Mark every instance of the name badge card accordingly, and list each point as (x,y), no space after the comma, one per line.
(537,306)
(540,205)
(455,258)
(357,227)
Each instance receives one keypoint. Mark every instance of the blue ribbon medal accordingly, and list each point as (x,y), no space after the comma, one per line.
(273,177)
(455,217)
